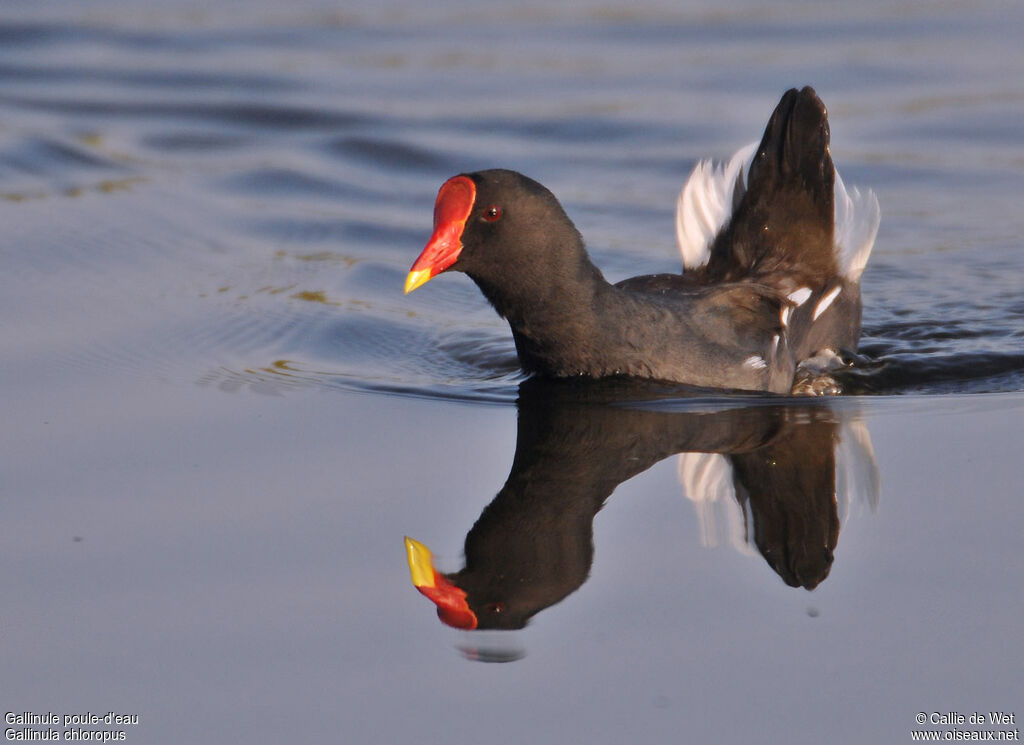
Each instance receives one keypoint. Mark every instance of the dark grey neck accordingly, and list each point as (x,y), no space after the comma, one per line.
(555,312)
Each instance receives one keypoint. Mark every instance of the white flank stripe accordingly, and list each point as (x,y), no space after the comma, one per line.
(800,296)
(825,302)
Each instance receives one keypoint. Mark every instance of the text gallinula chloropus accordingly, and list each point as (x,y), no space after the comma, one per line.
(773,248)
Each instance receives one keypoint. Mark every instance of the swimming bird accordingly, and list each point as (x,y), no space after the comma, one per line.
(773,248)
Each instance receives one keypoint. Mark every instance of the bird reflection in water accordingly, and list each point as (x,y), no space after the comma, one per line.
(786,468)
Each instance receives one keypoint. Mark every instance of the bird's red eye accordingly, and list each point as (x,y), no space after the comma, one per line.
(492,213)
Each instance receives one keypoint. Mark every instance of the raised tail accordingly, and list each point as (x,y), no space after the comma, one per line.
(779,216)
(788,176)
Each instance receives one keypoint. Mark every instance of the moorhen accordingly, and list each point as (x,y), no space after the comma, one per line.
(773,249)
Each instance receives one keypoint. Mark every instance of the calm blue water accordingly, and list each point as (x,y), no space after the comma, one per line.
(222,414)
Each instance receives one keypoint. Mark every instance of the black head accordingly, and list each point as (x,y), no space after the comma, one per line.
(498,227)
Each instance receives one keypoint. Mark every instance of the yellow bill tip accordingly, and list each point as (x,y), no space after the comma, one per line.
(421,563)
(416,279)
